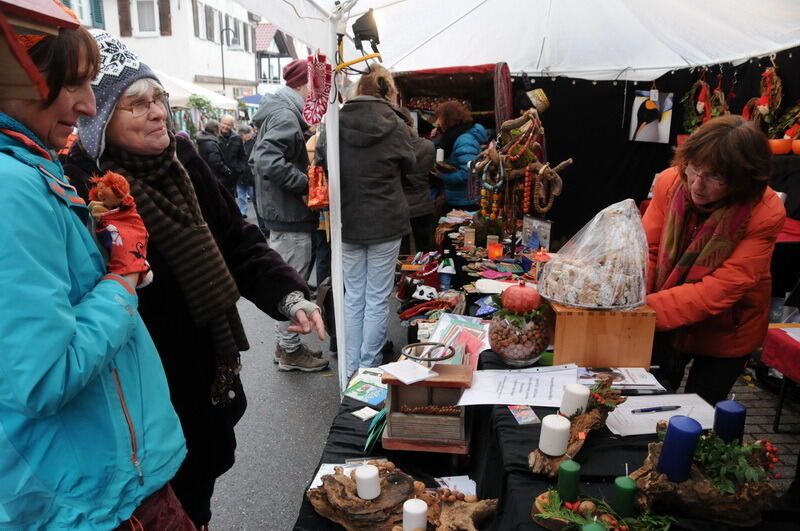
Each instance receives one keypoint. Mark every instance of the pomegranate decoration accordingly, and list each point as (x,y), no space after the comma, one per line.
(521,330)
(521,298)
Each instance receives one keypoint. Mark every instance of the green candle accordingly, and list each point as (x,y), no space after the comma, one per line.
(622,500)
(593,526)
(569,476)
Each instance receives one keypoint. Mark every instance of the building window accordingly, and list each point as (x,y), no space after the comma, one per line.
(197,9)
(210,23)
(238,92)
(146,12)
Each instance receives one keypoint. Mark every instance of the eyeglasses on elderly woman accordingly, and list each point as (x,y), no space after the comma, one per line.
(141,107)
(713,179)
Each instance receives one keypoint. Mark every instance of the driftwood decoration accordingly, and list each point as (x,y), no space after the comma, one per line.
(601,402)
(337,500)
(697,496)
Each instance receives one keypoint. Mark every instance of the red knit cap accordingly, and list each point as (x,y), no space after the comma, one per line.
(296,73)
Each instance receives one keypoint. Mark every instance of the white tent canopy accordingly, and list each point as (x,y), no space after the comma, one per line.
(180,90)
(598,39)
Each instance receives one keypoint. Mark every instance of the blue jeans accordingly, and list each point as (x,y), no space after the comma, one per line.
(242,192)
(368,272)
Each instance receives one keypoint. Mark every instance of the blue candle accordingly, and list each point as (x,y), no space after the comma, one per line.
(683,433)
(729,417)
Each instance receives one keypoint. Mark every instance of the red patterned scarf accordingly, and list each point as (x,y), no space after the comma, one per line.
(712,243)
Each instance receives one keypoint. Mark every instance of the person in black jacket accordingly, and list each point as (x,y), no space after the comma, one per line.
(245,186)
(232,147)
(211,151)
(204,256)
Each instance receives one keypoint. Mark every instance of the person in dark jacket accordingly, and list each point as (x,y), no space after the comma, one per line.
(461,140)
(211,151)
(374,152)
(245,186)
(279,162)
(232,147)
(416,186)
(204,256)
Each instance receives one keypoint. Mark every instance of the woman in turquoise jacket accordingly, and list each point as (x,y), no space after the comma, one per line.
(461,140)
(87,432)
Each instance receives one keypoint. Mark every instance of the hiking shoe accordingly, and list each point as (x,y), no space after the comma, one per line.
(279,352)
(301,360)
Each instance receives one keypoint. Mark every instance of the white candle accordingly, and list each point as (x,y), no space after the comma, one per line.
(415,515)
(440,155)
(368,483)
(576,396)
(554,435)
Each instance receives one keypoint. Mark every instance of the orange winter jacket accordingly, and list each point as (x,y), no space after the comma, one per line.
(725,314)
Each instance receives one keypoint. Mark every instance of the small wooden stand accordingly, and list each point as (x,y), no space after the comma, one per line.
(423,432)
(603,338)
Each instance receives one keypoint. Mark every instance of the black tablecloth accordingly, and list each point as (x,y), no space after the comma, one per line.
(785,177)
(498,464)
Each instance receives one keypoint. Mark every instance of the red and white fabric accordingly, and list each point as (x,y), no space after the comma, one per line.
(319,89)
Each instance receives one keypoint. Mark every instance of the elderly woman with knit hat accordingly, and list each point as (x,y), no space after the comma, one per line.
(204,256)
(374,152)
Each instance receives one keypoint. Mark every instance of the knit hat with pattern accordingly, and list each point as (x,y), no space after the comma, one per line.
(119,68)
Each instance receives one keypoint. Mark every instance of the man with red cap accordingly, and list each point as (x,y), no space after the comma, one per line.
(279,162)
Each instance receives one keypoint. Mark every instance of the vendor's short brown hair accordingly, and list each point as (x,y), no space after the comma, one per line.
(58,58)
(733,148)
(452,113)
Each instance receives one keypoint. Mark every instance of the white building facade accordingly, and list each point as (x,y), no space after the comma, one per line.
(187,39)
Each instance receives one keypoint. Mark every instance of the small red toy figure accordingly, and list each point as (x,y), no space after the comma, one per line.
(120,229)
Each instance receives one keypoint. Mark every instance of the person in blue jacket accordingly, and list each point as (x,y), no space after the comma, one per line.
(461,140)
(88,437)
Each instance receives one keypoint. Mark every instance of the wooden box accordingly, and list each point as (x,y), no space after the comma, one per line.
(603,338)
(428,432)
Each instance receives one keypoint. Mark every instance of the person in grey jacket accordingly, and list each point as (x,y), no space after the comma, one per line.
(416,186)
(279,162)
(374,152)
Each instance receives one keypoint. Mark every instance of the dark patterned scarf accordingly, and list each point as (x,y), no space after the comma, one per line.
(711,244)
(168,205)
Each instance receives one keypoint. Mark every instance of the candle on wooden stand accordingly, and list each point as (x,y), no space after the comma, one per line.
(729,418)
(569,477)
(576,397)
(683,433)
(415,514)
(622,499)
(593,526)
(554,435)
(368,484)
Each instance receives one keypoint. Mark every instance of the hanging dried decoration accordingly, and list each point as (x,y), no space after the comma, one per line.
(717,103)
(764,108)
(696,105)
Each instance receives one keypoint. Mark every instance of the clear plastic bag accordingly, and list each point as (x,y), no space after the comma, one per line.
(603,265)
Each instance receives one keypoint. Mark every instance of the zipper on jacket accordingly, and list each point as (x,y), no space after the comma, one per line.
(131,430)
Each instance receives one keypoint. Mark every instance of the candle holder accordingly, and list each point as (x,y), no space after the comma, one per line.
(336,500)
(602,399)
(495,251)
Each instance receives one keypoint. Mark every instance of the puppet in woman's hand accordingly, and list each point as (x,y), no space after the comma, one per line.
(120,229)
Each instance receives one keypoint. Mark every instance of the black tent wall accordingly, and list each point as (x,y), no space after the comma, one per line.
(589,121)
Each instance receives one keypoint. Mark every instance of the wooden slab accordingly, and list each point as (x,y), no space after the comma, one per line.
(449,376)
(428,445)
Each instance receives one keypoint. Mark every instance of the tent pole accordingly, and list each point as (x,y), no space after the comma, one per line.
(334,188)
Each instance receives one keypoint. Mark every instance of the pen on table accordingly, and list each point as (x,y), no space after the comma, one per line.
(655,409)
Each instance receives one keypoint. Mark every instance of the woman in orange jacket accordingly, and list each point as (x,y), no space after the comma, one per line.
(711,230)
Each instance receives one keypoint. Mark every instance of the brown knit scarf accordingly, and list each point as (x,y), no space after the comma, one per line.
(168,205)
